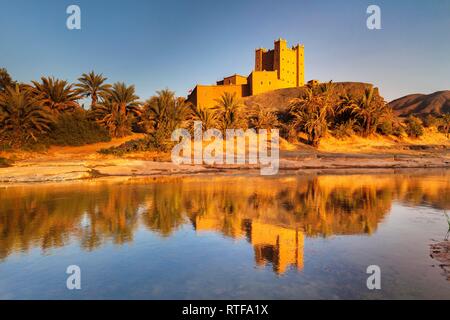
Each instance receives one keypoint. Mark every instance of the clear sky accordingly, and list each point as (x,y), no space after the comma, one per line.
(156,44)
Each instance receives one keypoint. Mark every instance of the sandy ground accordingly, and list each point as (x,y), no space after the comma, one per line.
(74,163)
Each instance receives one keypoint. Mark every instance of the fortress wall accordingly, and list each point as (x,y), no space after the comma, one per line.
(262,81)
(207,96)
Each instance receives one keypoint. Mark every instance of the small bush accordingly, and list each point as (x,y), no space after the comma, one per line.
(75,129)
(149,143)
(127,147)
(3,145)
(432,121)
(398,130)
(5,163)
(414,127)
(343,130)
(444,126)
(31,145)
(385,128)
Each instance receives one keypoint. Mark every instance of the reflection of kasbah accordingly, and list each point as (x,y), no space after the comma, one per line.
(281,67)
(280,246)
(95,213)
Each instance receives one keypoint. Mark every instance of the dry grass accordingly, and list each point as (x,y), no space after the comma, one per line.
(378,143)
(67,152)
(355,144)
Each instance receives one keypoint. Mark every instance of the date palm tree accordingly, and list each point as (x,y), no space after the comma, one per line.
(229,111)
(108,115)
(164,110)
(207,116)
(162,114)
(124,96)
(5,79)
(58,95)
(311,111)
(368,110)
(94,86)
(260,118)
(22,116)
(117,110)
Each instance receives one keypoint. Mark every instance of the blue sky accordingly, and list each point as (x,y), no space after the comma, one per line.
(177,44)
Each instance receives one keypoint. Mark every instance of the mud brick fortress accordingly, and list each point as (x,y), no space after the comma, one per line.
(281,67)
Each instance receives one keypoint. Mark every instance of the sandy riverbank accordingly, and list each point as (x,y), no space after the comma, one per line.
(76,163)
(60,170)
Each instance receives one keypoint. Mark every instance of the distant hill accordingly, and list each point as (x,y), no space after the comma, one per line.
(279,99)
(419,104)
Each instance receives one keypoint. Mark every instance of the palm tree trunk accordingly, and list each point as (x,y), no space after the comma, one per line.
(367,129)
(122,109)
(94,101)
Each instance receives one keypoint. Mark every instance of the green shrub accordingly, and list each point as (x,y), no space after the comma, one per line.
(414,127)
(37,146)
(127,147)
(150,143)
(445,124)
(385,128)
(4,146)
(5,163)
(75,129)
(432,121)
(344,129)
(398,130)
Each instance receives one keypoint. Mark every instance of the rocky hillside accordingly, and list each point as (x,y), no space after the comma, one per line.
(419,104)
(279,99)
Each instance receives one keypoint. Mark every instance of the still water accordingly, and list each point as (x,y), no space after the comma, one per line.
(249,237)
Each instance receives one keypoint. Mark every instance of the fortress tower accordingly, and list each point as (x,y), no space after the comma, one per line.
(280,67)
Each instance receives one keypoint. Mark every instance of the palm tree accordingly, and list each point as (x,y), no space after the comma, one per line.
(207,116)
(313,121)
(368,110)
(57,95)
(261,118)
(164,111)
(344,108)
(310,112)
(229,111)
(162,114)
(5,79)
(22,117)
(117,110)
(124,96)
(94,86)
(108,115)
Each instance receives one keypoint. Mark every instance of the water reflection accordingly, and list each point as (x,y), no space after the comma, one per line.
(273,214)
(448,221)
